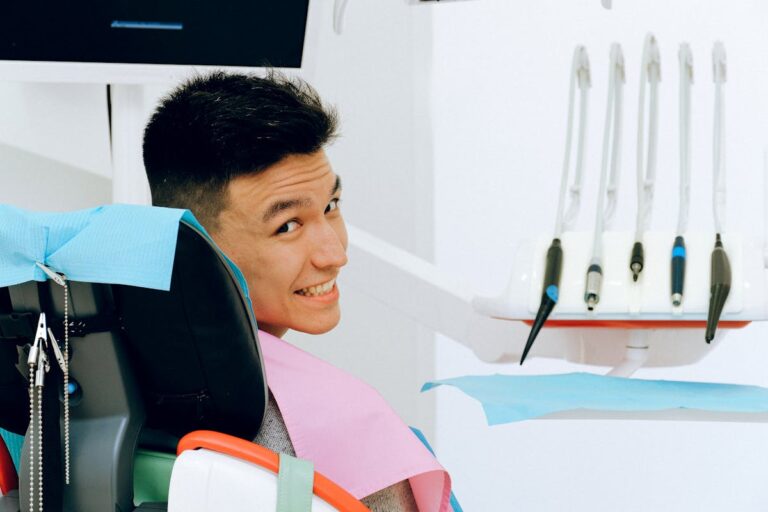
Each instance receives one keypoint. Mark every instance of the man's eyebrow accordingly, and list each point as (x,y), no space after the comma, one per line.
(280,206)
(336,186)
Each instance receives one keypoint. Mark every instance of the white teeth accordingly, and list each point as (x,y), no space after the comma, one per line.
(321,289)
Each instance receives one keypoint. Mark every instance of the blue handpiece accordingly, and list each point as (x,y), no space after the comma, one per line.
(678,270)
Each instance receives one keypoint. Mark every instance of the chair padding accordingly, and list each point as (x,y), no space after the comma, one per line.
(194,349)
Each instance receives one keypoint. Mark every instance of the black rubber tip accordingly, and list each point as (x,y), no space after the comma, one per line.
(718,296)
(721,285)
(546,307)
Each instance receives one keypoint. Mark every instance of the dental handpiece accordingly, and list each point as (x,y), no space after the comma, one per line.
(678,270)
(594,281)
(580,78)
(720,286)
(720,277)
(679,255)
(609,175)
(549,293)
(650,74)
(636,261)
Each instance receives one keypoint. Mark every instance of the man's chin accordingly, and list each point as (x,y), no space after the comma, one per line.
(315,329)
(308,322)
(306,328)
(317,325)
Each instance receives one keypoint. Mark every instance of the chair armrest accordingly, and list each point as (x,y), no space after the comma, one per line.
(248,451)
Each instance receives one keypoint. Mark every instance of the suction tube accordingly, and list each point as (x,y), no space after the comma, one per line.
(549,294)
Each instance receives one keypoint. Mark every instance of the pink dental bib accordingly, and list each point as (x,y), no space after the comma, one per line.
(348,430)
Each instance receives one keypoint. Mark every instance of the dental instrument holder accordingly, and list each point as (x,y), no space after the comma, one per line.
(638,314)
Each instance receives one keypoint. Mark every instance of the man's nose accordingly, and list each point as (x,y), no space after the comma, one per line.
(330,250)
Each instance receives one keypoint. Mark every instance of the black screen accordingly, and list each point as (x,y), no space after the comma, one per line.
(191,32)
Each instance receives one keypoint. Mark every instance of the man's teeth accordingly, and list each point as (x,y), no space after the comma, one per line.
(321,289)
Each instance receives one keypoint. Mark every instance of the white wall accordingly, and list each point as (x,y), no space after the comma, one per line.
(500,81)
(54,145)
(33,182)
(376,73)
(58,121)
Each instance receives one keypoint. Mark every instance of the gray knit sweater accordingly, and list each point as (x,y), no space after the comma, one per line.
(274,435)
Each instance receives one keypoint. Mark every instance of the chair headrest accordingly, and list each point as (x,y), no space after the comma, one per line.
(195,349)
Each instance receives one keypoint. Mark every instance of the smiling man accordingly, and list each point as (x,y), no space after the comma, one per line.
(246,155)
(284,229)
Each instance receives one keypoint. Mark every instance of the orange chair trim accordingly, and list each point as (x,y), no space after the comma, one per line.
(9,480)
(256,454)
(643,324)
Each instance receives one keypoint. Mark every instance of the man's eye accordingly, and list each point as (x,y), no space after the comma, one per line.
(333,205)
(288,227)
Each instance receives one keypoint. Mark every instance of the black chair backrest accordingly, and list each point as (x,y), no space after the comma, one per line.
(195,349)
(191,353)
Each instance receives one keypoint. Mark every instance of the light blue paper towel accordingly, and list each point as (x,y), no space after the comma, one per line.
(117,244)
(508,398)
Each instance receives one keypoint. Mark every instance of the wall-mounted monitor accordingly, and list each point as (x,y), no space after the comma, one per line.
(231,33)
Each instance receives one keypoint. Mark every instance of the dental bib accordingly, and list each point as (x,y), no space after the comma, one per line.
(347,429)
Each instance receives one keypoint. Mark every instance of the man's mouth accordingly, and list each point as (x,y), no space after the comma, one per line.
(317,290)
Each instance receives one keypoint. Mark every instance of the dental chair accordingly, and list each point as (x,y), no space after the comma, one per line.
(147,368)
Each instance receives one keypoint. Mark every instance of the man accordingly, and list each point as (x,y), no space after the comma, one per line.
(246,156)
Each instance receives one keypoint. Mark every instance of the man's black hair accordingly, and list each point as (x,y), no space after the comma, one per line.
(216,127)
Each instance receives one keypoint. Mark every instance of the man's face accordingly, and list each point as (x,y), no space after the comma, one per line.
(284,229)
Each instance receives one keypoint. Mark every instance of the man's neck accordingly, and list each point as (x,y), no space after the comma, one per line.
(275,330)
